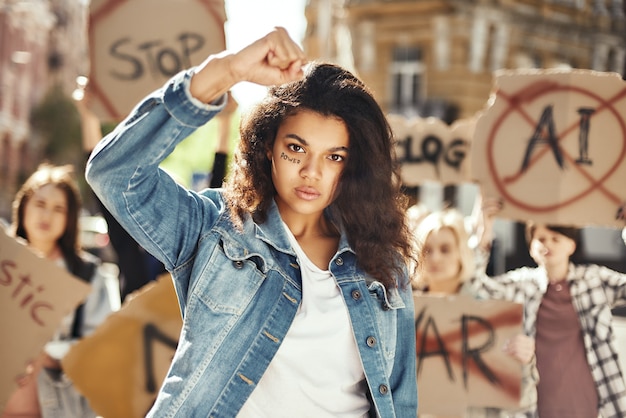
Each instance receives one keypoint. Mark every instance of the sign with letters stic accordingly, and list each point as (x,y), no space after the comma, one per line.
(35,295)
(430,149)
(137,45)
(460,361)
(552,145)
(120,367)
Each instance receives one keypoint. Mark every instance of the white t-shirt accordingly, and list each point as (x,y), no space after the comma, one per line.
(317,370)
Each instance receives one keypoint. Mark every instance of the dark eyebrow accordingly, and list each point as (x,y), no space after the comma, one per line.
(297,138)
(304,142)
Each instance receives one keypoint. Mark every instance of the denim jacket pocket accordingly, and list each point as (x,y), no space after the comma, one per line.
(230,279)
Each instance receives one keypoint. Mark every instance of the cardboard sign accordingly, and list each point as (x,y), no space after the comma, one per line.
(137,45)
(460,361)
(430,149)
(35,295)
(552,145)
(120,367)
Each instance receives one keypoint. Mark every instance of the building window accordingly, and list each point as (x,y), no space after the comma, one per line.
(615,60)
(407,73)
(608,57)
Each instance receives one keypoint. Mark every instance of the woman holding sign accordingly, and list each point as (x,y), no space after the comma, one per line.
(45,215)
(446,266)
(568,311)
(293,279)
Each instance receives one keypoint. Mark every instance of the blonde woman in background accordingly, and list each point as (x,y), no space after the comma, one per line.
(446,266)
(46,214)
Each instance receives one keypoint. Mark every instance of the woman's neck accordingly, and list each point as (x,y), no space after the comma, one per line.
(558,272)
(47,250)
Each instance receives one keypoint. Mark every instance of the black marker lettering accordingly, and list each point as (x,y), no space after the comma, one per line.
(544,133)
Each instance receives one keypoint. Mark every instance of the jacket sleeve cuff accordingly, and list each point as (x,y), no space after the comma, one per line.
(183,106)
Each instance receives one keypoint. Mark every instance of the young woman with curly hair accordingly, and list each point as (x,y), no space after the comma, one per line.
(293,279)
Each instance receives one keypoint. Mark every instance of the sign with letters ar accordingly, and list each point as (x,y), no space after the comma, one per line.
(552,145)
(430,149)
(460,361)
(121,366)
(137,45)
(35,295)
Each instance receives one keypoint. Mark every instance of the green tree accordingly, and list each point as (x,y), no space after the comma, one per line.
(56,126)
(56,122)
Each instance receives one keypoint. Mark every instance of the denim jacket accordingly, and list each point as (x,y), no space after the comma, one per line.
(238,290)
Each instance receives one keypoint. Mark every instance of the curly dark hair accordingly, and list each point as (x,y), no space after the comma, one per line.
(369,204)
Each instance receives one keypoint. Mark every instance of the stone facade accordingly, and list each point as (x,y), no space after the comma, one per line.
(436,57)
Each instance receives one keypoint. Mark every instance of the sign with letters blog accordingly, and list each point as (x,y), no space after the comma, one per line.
(460,361)
(429,149)
(35,295)
(552,145)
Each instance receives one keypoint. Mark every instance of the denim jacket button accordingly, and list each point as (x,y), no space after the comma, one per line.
(356,295)
(371,341)
(238,264)
(383,389)
(339,261)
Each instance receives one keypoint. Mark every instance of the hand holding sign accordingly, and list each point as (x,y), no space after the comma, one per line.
(35,294)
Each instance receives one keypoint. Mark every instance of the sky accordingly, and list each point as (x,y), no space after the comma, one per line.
(249,20)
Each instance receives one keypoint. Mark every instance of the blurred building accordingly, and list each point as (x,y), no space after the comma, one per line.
(42,43)
(436,57)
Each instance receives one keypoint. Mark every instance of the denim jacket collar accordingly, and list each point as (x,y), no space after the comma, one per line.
(273,232)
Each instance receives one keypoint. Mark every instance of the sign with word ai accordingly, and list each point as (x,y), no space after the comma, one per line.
(552,145)
(460,361)
(35,295)
(431,150)
(137,45)
(129,353)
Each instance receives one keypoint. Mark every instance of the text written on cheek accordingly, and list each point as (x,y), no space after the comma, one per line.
(288,158)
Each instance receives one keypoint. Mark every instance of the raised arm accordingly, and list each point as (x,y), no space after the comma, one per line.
(273,59)
(123,170)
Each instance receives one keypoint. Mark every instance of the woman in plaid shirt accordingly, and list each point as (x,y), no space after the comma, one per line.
(568,311)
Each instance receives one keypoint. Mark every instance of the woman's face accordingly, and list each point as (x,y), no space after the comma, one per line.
(45,216)
(549,248)
(308,157)
(441,258)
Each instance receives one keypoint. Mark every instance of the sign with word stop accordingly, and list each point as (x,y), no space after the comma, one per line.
(552,146)
(137,45)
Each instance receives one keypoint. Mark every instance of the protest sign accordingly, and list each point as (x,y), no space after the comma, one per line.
(120,367)
(35,295)
(136,45)
(552,146)
(429,149)
(460,361)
